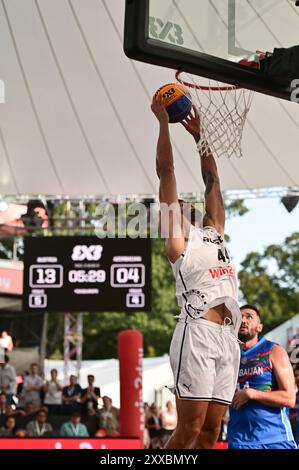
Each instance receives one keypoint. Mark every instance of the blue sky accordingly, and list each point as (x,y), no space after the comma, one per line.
(267,222)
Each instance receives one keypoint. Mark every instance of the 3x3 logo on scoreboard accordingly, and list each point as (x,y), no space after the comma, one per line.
(75,274)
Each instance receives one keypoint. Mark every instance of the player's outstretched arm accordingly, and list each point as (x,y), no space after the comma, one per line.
(168,189)
(215,212)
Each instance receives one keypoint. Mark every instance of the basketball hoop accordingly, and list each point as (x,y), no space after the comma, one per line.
(223,110)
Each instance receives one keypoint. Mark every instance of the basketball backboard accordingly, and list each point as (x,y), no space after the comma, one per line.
(210,37)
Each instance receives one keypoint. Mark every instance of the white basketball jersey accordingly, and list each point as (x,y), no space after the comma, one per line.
(205,276)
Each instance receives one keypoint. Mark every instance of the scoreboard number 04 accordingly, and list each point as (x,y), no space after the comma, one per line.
(127,275)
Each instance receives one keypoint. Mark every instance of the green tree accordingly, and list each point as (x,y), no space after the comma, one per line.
(270,280)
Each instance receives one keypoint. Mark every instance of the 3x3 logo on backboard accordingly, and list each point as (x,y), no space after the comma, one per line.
(165,31)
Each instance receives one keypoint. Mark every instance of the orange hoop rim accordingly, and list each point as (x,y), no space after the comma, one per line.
(203,87)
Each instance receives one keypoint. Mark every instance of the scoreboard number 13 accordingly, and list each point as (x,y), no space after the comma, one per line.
(46,275)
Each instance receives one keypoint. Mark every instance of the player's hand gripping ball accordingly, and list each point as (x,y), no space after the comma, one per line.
(177,101)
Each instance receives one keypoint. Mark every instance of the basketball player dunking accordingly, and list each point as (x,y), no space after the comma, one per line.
(204,352)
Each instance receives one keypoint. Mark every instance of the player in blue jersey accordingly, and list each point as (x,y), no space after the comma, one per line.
(259,415)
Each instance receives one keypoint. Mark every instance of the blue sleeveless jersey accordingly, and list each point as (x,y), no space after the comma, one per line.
(255,423)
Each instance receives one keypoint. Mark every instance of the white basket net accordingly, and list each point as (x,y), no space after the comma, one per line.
(223,110)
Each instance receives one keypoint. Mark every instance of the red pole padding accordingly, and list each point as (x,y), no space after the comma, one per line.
(130,353)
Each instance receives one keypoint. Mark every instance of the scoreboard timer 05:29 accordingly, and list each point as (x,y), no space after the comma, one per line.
(86,274)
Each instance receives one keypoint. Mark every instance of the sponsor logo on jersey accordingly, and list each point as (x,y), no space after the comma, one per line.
(251,371)
(216,273)
(216,241)
(187,387)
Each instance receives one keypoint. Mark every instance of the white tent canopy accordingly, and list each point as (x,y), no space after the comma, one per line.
(77,119)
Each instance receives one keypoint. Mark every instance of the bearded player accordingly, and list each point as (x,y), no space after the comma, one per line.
(259,415)
(204,352)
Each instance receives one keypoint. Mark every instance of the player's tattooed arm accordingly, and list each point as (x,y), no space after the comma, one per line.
(215,213)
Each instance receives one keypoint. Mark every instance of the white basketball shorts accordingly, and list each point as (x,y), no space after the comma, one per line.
(205,359)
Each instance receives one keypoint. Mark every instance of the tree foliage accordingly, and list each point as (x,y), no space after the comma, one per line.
(270,280)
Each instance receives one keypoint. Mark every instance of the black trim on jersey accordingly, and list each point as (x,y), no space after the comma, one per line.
(182,279)
(180,359)
(220,400)
(194,398)
(203,398)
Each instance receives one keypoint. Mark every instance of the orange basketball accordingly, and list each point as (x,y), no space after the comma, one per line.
(177,101)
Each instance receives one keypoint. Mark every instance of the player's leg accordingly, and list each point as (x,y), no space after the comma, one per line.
(227,368)
(193,364)
(211,427)
(191,417)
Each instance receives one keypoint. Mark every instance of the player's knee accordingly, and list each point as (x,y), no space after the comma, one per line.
(212,432)
(192,428)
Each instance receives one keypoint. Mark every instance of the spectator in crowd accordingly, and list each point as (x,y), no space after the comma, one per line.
(109,417)
(296,431)
(53,394)
(6,341)
(71,395)
(169,419)
(24,415)
(3,404)
(20,385)
(39,427)
(42,391)
(5,410)
(74,428)
(147,412)
(31,388)
(91,420)
(155,427)
(146,436)
(9,429)
(7,379)
(90,396)
(29,409)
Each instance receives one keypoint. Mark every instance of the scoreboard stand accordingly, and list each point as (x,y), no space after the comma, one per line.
(73,340)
